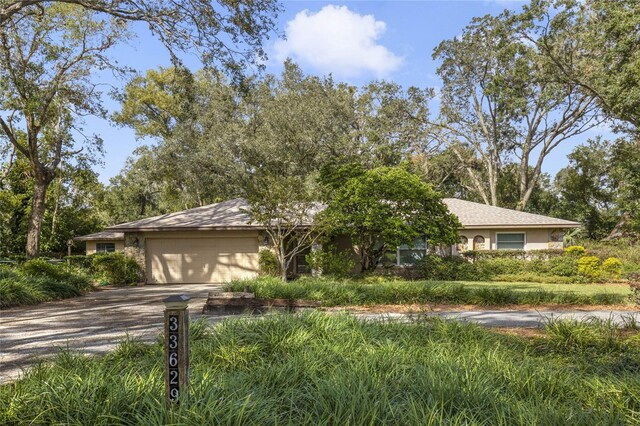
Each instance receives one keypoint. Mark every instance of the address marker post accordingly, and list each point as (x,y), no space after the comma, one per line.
(176,332)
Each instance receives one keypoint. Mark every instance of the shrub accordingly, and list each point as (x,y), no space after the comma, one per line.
(565,266)
(589,267)
(79,261)
(116,268)
(491,267)
(435,267)
(268,263)
(55,272)
(612,268)
(331,262)
(19,288)
(575,250)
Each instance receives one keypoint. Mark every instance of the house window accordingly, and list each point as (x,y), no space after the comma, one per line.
(511,241)
(105,247)
(414,254)
(405,255)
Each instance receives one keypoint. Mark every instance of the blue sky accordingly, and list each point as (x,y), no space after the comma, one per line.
(356,41)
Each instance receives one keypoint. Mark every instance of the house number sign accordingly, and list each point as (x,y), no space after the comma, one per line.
(176,331)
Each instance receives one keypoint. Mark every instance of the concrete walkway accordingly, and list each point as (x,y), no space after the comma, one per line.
(96,322)
(93,323)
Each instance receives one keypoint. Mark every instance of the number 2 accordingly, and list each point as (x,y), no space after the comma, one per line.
(173,377)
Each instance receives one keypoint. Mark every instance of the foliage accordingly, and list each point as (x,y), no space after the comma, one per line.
(45,97)
(435,267)
(303,369)
(285,207)
(349,292)
(565,266)
(116,269)
(589,267)
(575,250)
(502,99)
(330,261)
(387,207)
(38,282)
(611,268)
(228,35)
(268,263)
(56,272)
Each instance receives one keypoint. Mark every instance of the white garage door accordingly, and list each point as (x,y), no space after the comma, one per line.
(201,260)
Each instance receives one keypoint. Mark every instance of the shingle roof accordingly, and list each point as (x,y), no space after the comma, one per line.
(104,235)
(229,215)
(224,215)
(476,215)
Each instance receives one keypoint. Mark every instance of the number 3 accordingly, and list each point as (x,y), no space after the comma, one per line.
(173,323)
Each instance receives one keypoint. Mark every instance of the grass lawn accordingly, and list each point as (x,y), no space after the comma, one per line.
(585,289)
(384,291)
(321,369)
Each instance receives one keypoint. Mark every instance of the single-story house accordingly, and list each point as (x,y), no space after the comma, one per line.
(217,243)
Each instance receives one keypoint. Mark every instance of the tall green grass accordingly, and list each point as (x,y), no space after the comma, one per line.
(345,292)
(328,370)
(37,282)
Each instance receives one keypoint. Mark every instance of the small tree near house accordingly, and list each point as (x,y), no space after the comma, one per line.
(384,208)
(285,206)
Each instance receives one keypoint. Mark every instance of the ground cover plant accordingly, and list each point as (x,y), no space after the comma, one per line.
(39,281)
(320,369)
(387,291)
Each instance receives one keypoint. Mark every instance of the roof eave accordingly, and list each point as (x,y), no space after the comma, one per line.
(527,226)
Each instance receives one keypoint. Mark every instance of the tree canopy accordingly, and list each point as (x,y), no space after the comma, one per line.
(383,208)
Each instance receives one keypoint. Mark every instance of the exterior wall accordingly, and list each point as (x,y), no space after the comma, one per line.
(535,238)
(471,234)
(91,245)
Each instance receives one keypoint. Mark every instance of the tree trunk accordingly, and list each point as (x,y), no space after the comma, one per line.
(36,215)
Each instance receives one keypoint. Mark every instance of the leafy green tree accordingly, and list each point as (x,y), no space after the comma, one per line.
(503,99)
(46,62)
(386,207)
(594,45)
(285,206)
(587,193)
(227,33)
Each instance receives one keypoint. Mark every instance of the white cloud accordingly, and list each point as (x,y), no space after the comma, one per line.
(339,41)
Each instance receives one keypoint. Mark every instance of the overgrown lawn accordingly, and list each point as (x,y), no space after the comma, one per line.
(383,291)
(321,369)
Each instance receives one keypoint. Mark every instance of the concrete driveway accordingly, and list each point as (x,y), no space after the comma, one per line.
(93,323)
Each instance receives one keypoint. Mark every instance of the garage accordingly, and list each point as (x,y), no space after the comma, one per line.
(201,260)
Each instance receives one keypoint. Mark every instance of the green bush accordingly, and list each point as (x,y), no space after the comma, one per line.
(331,262)
(268,263)
(575,250)
(612,268)
(435,267)
(79,261)
(41,284)
(589,267)
(565,266)
(116,268)
(55,272)
(491,267)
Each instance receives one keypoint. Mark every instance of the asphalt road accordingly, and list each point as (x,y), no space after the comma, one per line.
(96,322)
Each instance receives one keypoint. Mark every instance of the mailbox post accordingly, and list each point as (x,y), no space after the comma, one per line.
(176,332)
